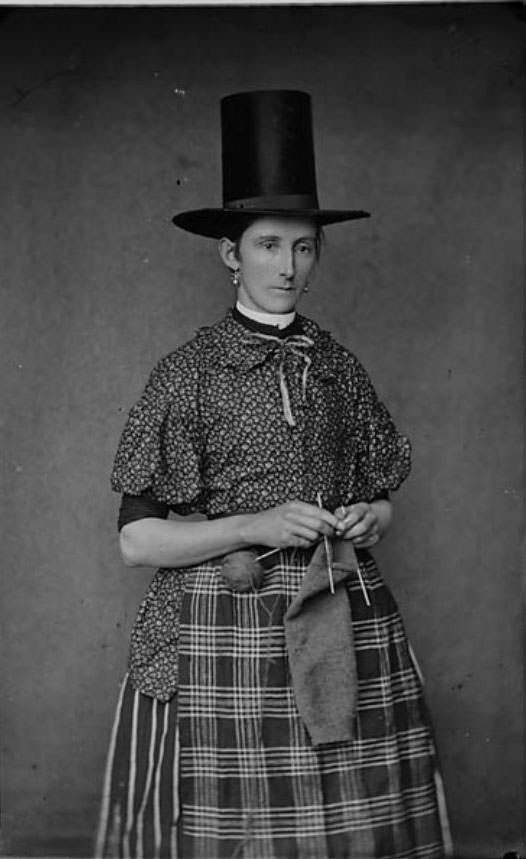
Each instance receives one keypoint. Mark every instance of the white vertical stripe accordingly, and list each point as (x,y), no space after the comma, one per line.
(443,815)
(416,666)
(156,797)
(439,784)
(131,778)
(175,796)
(114,834)
(106,789)
(173,841)
(148,782)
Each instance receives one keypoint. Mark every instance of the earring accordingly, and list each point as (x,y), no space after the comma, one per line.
(306,288)
(235,276)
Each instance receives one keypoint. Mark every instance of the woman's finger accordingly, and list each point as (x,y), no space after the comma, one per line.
(319,525)
(366,540)
(351,515)
(361,527)
(303,533)
(312,519)
(311,510)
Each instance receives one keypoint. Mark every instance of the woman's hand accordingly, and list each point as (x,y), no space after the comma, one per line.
(364,524)
(295,523)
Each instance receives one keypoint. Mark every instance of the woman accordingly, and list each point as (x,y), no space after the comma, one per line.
(272,707)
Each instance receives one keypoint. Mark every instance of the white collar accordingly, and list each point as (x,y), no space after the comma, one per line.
(280,320)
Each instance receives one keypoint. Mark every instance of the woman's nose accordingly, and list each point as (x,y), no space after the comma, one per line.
(287,264)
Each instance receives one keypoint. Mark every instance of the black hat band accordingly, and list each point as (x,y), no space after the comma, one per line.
(286,202)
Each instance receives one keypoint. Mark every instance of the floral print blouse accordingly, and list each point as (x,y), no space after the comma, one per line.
(240,420)
(235,420)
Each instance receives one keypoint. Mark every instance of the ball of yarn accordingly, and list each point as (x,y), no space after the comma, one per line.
(242,571)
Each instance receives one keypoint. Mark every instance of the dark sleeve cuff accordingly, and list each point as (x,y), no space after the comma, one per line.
(143,506)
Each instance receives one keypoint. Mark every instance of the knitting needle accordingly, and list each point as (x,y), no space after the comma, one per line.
(359,572)
(362,585)
(328,551)
(266,554)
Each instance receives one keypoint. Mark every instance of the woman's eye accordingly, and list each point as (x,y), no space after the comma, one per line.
(305,249)
(268,245)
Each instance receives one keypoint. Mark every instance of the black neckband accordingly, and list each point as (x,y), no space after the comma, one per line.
(259,327)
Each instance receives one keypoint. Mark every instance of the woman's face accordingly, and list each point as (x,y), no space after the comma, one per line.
(274,258)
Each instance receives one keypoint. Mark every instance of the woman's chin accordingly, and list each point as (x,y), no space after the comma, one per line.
(281,301)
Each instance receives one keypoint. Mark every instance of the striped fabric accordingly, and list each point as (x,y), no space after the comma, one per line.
(230,771)
(140,803)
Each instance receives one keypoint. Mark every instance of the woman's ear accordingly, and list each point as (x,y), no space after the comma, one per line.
(227,252)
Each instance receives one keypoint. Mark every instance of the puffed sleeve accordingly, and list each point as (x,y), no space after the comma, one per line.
(382,455)
(159,449)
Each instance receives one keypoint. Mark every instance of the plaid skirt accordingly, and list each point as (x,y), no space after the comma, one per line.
(225,769)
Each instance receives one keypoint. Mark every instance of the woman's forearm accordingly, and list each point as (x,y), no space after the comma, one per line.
(183,542)
(179,542)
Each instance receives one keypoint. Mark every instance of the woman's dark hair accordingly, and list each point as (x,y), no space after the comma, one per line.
(237,224)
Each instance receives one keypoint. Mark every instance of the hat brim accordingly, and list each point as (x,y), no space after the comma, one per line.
(216,223)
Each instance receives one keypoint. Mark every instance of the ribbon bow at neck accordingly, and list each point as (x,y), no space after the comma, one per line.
(295,344)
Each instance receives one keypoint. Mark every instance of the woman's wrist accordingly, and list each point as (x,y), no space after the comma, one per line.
(383,511)
(242,524)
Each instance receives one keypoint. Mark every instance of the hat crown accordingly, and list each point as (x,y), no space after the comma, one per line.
(268,149)
(268,165)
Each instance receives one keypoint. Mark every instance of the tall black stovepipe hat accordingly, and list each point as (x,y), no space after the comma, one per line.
(268,164)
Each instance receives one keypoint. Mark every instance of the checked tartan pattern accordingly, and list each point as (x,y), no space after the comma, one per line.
(250,783)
